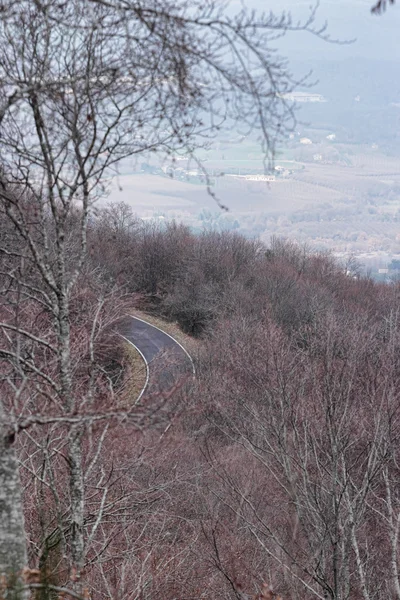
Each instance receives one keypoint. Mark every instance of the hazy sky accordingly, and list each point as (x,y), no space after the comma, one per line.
(377,36)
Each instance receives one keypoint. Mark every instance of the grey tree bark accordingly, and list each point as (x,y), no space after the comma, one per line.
(13,555)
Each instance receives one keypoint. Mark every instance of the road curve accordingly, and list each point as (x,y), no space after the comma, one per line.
(167,362)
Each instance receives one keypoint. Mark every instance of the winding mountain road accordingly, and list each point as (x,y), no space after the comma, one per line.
(166,360)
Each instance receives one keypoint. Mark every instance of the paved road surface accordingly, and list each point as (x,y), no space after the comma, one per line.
(167,361)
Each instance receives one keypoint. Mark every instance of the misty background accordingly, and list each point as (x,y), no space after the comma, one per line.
(336,183)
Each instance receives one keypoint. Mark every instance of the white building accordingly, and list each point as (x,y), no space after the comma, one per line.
(260,177)
(303,97)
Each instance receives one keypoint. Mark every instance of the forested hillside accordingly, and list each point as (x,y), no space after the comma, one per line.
(281,465)
(271,473)
(278,465)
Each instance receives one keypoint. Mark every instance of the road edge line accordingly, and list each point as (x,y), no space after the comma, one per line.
(146,365)
(172,338)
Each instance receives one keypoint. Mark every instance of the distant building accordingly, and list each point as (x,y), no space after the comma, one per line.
(260,177)
(331,136)
(305,141)
(303,97)
(255,177)
(317,157)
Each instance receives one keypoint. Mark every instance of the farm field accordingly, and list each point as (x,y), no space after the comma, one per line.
(331,206)
(308,183)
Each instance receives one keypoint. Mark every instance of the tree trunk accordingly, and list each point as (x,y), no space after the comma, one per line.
(13,556)
(77,503)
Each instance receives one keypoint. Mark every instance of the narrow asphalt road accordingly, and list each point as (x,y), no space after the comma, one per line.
(167,361)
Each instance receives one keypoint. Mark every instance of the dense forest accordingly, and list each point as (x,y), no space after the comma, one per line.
(282,463)
(278,466)
(274,471)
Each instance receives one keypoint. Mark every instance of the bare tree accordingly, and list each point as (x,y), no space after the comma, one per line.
(83,85)
(312,459)
(380,6)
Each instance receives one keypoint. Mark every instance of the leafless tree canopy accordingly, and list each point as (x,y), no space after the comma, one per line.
(380,6)
(86,83)
(92,495)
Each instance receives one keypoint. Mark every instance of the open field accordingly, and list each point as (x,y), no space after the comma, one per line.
(145,192)
(150,193)
(309,183)
(351,206)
